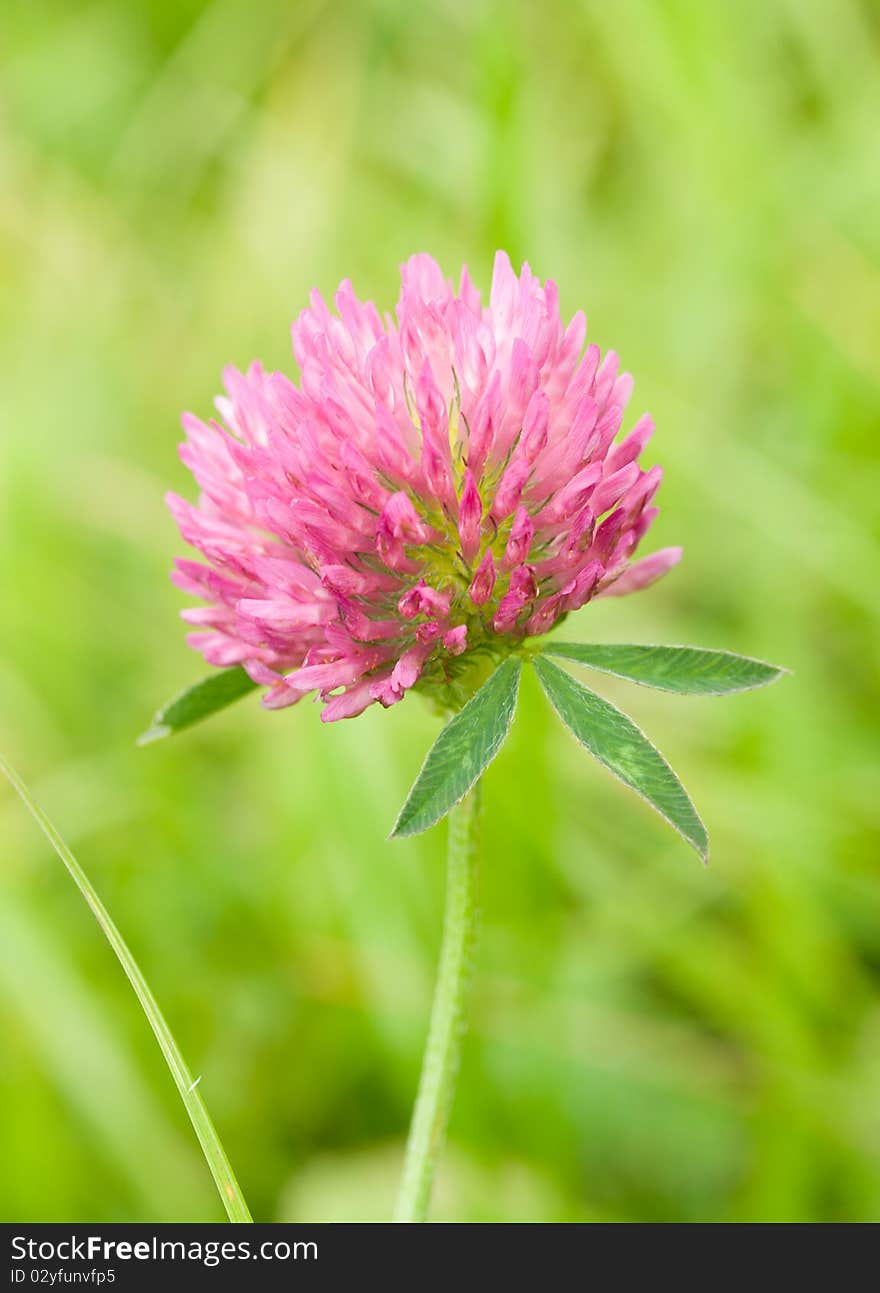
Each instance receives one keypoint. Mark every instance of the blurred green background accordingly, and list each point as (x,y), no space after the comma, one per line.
(650,1041)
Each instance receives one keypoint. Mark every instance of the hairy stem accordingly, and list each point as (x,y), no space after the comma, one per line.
(448,1013)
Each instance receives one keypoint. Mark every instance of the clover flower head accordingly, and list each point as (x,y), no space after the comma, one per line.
(439,487)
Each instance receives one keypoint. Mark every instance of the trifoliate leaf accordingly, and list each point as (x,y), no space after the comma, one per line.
(687,670)
(199,701)
(462,751)
(617,743)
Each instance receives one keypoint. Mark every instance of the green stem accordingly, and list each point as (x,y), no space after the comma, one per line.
(221,1169)
(448,1013)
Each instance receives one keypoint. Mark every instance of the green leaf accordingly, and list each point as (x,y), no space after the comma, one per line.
(199,701)
(212,1147)
(462,751)
(617,743)
(688,670)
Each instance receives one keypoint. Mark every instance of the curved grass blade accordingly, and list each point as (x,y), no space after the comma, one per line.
(616,742)
(462,751)
(215,1155)
(692,671)
(199,701)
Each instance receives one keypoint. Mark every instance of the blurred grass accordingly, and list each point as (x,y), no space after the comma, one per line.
(650,1042)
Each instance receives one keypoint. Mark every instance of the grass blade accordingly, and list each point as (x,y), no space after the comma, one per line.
(221,1169)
